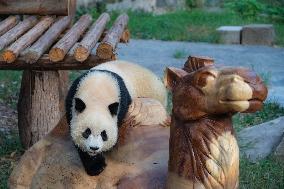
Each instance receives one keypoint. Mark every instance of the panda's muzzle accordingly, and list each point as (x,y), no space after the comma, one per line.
(94,148)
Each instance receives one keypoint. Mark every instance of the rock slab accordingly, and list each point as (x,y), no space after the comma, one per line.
(259,141)
(258,34)
(279,152)
(230,34)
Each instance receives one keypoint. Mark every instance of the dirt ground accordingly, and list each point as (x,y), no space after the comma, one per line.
(8,119)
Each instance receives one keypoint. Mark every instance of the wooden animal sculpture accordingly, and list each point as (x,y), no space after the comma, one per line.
(203,151)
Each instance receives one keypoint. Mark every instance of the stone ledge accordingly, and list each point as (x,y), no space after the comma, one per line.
(258,34)
(230,34)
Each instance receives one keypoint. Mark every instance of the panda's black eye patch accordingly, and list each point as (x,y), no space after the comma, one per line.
(86,133)
(113,108)
(79,105)
(104,135)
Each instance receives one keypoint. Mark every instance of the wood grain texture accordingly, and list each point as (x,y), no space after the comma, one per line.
(91,38)
(45,64)
(38,7)
(203,148)
(40,104)
(12,52)
(60,49)
(17,31)
(8,23)
(106,49)
(33,53)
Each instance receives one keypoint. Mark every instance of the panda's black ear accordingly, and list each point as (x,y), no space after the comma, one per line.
(79,105)
(113,108)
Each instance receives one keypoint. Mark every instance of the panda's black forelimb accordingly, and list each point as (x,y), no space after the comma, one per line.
(93,165)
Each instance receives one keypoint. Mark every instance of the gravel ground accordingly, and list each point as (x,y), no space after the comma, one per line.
(156,55)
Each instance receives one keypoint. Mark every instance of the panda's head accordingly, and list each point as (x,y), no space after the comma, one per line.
(94,108)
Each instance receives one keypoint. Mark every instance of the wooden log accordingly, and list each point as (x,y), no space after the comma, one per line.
(8,23)
(41,103)
(125,37)
(44,64)
(17,31)
(91,38)
(38,7)
(11,53)
(60,49)
(106,50)
(32,54)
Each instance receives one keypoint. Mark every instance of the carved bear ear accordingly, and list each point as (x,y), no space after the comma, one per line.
(172,76)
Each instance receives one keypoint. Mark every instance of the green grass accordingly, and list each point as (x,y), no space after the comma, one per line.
(265,174)
(189,25)
(10,151)
(180,54)
(270,110)
(10,82)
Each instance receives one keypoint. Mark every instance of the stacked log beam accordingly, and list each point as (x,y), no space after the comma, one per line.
(32,54)
(8,23)
(12,52)
(61,48)
(38,7)
(106,50)
(17,31)
(91,38)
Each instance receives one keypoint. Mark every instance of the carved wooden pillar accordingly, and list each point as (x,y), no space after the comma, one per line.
(203,150)
(41,103)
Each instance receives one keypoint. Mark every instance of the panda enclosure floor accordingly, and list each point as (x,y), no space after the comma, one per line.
(156,55)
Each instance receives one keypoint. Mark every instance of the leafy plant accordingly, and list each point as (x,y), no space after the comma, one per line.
(246,8)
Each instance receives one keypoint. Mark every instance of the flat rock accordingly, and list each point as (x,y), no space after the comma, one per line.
(279,152)
(258,34)
(259,141)
(53,162)
(230,34)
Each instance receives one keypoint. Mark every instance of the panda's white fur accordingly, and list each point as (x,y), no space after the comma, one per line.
(98,90)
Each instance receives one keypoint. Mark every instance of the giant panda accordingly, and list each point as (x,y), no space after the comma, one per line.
(98,101)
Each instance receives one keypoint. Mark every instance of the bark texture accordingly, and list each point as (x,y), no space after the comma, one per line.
(17,31)
(40,104)
(33,53)
(12,52)
(61,48)
(106,49)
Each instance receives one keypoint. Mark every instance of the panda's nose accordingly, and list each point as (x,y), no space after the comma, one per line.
(94,148)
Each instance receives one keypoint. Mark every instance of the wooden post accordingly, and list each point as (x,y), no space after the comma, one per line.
(41,103)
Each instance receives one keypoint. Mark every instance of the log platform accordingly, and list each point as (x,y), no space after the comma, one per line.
(45,47)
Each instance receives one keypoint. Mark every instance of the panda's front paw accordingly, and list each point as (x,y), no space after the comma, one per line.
(95,170)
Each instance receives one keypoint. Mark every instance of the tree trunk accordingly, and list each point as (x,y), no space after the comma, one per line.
(41,103)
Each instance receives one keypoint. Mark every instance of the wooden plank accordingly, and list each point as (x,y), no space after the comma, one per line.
(106,49)
(32,54)
(11,53)
(45,64)
(38,7)
(17,31)
(8,23)
(91,38)
(61,48)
